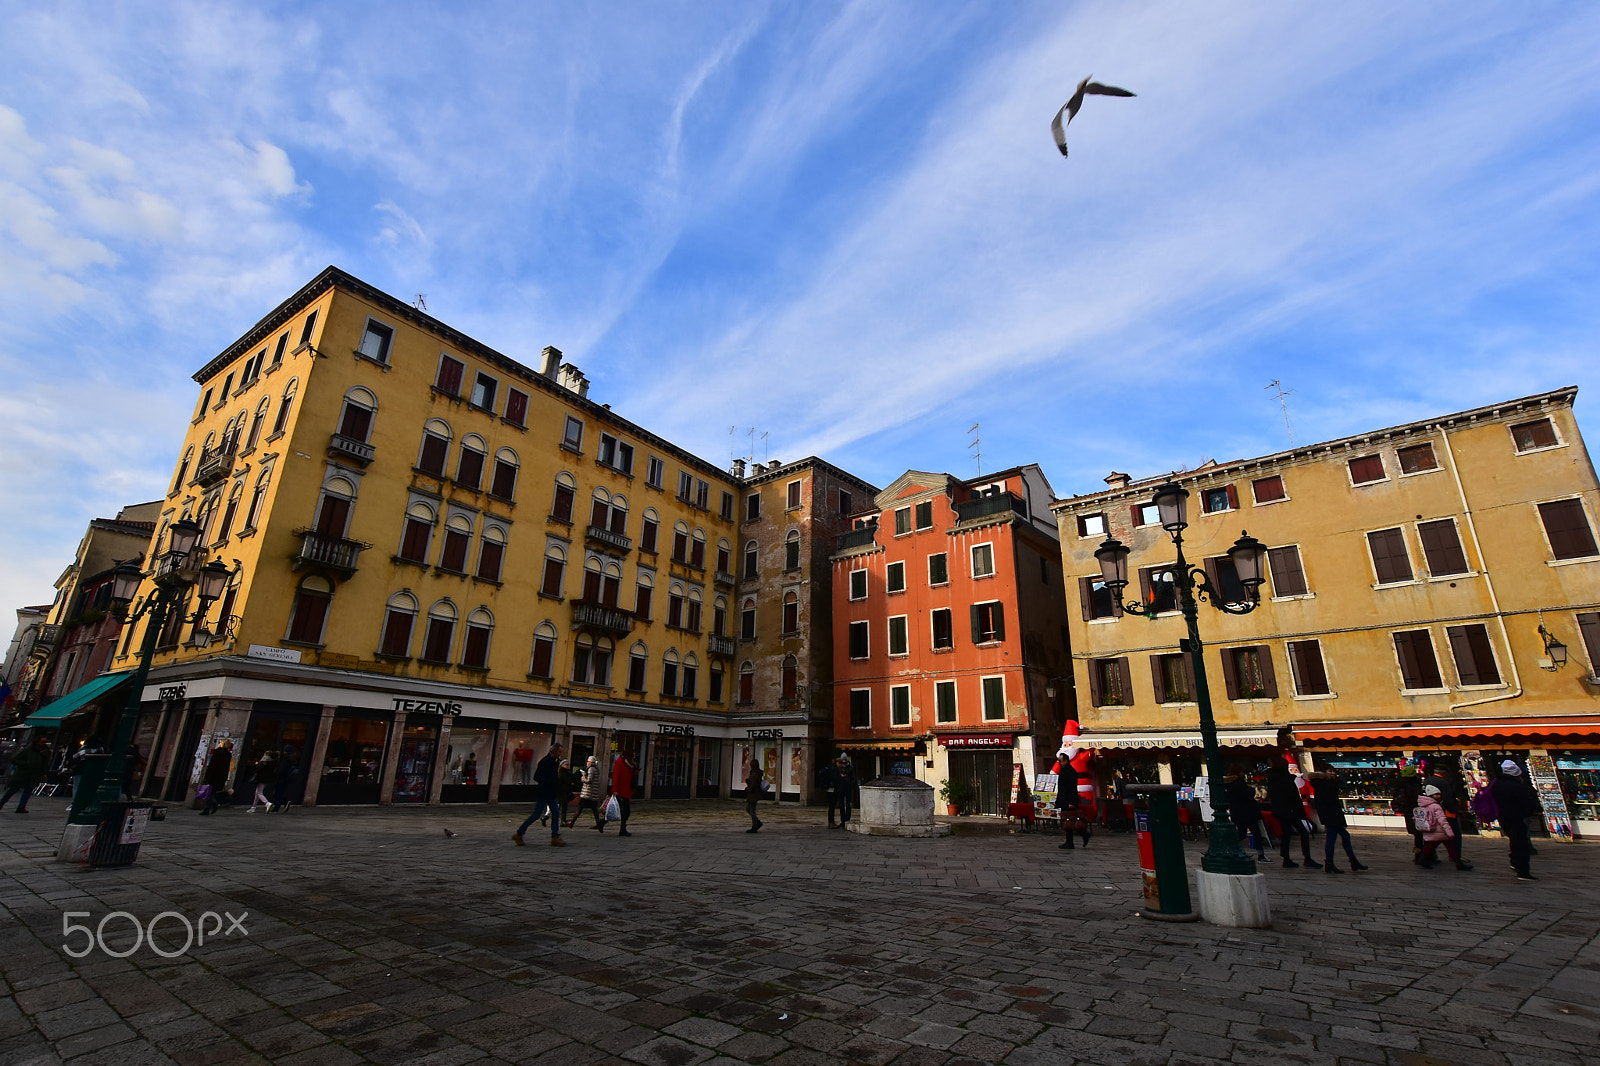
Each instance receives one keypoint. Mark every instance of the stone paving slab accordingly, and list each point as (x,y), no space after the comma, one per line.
(375,937)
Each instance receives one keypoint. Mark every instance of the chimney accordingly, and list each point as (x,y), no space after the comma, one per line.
(572,379)
(737,469)
(1118,481)
(550,362)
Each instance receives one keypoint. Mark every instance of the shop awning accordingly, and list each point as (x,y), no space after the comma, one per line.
(51,716)
(1544,727)
(878,745)
(1227,738)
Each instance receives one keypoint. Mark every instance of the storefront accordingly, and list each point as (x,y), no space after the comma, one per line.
(279,734)
(468,758)
(708,772)
(673,763)
(1579,773)
(352,765)
(984,763)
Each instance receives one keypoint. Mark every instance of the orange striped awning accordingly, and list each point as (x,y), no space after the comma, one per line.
(1535,728)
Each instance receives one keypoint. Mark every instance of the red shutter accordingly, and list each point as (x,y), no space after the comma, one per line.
(449,380)
(415,544)
(489,558)
(469,469)
(476,653)
(552,578)
(505,480)
(544,651)
(309,611)
(397,633)
(1233,497)
(599,513)
(561,509)
(516,407)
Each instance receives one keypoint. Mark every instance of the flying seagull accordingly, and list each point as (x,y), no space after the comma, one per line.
(1070,108)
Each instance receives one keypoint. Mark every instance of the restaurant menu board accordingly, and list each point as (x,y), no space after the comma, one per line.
(1044,794)
(1542,774)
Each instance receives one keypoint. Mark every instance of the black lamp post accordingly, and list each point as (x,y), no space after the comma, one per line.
(1224,855)
(173,577)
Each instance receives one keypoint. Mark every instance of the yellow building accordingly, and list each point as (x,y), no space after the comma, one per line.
(1425,583)
(445,561)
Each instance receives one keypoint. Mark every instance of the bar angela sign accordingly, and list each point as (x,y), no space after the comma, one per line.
(980,740)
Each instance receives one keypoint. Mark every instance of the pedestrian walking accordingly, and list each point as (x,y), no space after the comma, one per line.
(571,782)
(622,788)
(753,788)
(590,792)
(828,781)
(1449,799)
(27,770)
(1330,809)
(284,778)
(218,766)
(1245,810)
(1438,830)
(1074,819)
(1283,796)
(547,798)
(1515,801)
(1404,802)
(265,776)
(844,786)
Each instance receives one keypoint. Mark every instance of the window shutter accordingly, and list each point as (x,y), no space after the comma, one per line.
(1568,529)
(1188,675)
(1389,559)
(1095,666)
(1288,575)
(1133,513)
(1589,628)
(450,376)
(1155,679)
(1461,648)
(1230,671)
(1441,546)
(1215,577)
(1233,497)
(1086,597)
(1146,589)
(1125,671)
(1269,679)
(977,625)
(516,407)
(997,613)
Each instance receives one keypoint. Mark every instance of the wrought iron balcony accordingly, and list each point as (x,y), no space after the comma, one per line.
(615,540)
(984,506)
(857,538)
(330,553)
(216,465)
(725,646)
(45,640)
(343,447)
(599,616)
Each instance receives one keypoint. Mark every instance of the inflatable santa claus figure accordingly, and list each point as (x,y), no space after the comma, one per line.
(1078,758)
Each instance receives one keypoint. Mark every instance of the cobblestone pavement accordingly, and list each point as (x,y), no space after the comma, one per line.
(373,936)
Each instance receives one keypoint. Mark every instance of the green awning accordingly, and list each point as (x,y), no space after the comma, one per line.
(50,717)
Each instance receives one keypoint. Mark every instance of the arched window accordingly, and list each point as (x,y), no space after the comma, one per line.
(791,677)
(791,550)
(619,514)
(457,539)
(600,511)
(680,542)
(491,553)
(469,464)
(591,660)
(747,682)
(355,422)
(697,549)
(310,611)
(555,565)
(591,580)
(257,424)
(441,632)
(229,513)
(285,406)
(752,553)
(183,470)
(724,556)
(561,505)
(435,447)
(611,585)
(258,499)
(675,605)
(791,612)
(649,526)
(641,596)
(418,532)
(719,616)
(504,486)
(669,673)
(691,621)
(475,649)
(747,620)
(714,690)
(333,510)
(399,618)
(638,657)
(544,651)
(691,677)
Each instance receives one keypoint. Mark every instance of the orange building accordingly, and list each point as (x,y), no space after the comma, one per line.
(949,627)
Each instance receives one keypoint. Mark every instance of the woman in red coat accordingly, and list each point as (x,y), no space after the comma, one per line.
(622,788)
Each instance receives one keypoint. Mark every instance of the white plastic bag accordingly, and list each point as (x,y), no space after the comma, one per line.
(613,811)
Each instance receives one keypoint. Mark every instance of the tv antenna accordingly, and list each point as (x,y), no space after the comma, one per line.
(1282,392)
(421,302)
(976,446)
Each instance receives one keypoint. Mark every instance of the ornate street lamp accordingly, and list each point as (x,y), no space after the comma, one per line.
(1224,855)
(173,578)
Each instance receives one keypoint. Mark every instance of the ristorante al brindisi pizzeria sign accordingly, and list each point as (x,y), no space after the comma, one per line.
(424,706)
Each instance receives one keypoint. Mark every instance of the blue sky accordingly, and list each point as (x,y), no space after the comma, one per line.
(843,224)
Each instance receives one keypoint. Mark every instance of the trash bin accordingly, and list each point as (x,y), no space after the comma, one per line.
(121,831)
(1160,840)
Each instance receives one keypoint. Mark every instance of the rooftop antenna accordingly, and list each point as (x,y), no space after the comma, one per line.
(1282,392)
(766,447)
(421,302)
(976,446)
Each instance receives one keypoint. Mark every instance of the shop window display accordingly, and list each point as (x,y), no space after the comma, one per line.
(708,774)
(414,771)
(1367,782)
(1579,773)
(467,764)
(353,765)
(524,748)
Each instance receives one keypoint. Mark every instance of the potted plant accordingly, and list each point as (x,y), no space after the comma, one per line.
(956,795)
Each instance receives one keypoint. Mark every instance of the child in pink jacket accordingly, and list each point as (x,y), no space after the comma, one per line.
(1439,831)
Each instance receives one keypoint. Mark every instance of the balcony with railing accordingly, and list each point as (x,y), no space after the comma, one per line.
(214,466)
(725,646)
(987,506)
(858,538)
(329,553)
(45,640)
(724,579)
(599,616)
(610,539)
(350,449)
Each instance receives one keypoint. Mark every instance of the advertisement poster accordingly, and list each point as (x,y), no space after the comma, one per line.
(1542,774)
(1472,771)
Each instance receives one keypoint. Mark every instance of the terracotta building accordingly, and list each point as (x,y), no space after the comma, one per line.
(949,629)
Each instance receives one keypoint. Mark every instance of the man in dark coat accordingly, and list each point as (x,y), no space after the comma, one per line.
(844,785)
(1074,819)
(284,778)
(828,781)
(1516,801)
(1283,795)
(218,767)
(547,800)
(1330,809)
(1404,801)
(752,792)
(1245,811)
(27,770)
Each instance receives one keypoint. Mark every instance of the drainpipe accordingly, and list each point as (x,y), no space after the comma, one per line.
(1494,600)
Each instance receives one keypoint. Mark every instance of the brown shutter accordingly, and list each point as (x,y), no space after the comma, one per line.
(1215,578)
(1155,678)
(1441,546)
(1568,529)
(1086,597)
(516,407)
(1461,648)
(1133,514)
(1127,681)
(1146,586)
(1589,629)
(1269,679)
(1188,673)
(1230,672)
(1288,576)
(1389,559)
(1095,699)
